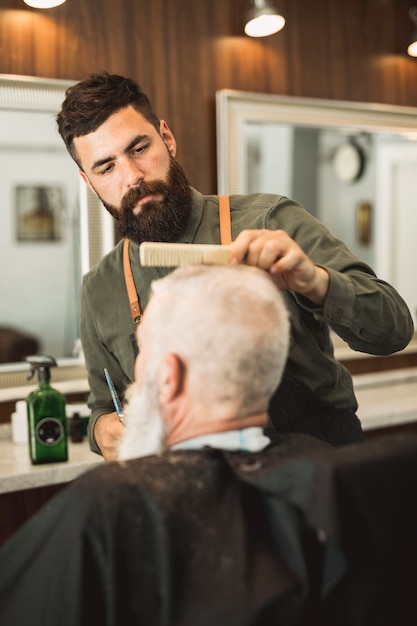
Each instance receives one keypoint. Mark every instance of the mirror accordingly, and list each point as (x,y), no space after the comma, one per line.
(52,228)
(352,165)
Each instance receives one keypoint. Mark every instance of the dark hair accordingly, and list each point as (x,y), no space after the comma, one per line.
(90,102)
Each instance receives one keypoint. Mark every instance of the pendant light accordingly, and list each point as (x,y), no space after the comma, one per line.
(263,19)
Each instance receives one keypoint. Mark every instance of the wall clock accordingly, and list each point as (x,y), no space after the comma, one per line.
(348,162)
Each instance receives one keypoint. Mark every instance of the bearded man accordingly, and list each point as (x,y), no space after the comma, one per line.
(126,155)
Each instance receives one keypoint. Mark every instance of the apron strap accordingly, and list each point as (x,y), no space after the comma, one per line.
(135,310)
(225,221)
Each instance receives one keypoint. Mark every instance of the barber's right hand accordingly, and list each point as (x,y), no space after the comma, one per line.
(107,433)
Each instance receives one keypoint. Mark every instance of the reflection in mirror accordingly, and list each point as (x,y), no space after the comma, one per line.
(52,228)
(352,165)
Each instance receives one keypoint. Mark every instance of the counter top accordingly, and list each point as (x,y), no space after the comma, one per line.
(385,399)
(18,473)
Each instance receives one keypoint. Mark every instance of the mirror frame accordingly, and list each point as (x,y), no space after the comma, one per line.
(236,108)
(27,93)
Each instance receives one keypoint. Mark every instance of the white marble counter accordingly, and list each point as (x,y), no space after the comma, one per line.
(18,473)
(387,398)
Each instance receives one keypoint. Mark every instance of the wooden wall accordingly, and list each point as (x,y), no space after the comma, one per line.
(182,51)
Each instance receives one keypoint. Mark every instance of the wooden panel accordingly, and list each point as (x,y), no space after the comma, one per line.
(182,51)
(17,507)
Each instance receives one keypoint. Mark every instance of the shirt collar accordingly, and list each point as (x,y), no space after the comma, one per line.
(244,440)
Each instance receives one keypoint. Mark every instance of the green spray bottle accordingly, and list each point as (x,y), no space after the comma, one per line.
(46,415)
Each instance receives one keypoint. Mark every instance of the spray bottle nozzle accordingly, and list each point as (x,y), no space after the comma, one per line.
(42,363)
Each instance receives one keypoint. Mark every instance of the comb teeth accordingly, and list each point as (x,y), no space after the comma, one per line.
(157,254)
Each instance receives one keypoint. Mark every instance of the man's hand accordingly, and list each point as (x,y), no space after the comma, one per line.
(275,252)
(107,433)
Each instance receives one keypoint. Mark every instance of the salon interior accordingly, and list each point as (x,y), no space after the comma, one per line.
(335,88)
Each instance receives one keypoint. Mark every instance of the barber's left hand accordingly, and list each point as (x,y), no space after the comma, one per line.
(278,254)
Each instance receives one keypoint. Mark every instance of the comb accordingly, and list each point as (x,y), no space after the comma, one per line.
(158,254)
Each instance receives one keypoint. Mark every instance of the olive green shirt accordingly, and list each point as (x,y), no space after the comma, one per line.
(366,312)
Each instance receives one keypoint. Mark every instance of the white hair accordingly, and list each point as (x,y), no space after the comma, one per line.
(145,430)
(229,324)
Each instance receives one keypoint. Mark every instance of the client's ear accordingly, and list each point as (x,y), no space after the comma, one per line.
(170,378)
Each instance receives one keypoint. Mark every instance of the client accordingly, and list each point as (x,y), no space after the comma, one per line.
(203,520)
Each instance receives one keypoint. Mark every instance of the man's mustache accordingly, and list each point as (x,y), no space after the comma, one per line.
(134,194)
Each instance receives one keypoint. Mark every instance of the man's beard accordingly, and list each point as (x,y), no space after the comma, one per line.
(145,431)
(163,220)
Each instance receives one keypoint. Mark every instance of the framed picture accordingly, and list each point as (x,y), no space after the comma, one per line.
(39,211)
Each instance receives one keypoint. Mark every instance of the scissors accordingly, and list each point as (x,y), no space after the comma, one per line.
(114,396)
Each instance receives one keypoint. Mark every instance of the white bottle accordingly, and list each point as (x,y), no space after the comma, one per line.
(20,423)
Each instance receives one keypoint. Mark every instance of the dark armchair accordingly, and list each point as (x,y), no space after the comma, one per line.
(15,344)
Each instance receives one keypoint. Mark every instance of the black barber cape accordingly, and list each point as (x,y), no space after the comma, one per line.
(300,533)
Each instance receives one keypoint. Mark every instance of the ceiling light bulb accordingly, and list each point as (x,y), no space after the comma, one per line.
(43,4)
(412,48)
